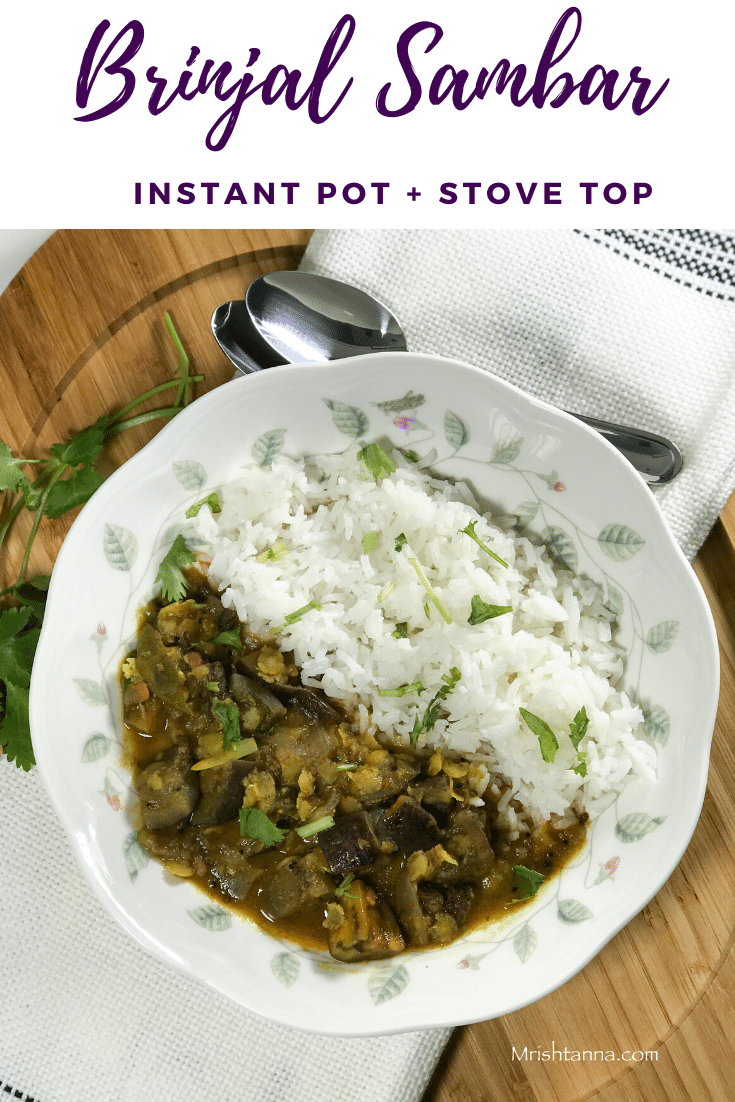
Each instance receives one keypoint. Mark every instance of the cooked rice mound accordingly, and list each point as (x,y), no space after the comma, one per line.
(552,655)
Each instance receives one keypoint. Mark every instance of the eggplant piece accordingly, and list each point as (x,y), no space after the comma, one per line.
(297,748)
(465,839)
(222,793)
(158,669)
(458,901)
(350,843)
(423,921)
(434,791)
(245,690)
(294,882)
(228,857)
(394,774)
(408,826)
(168,789)
(368,929)
(310,703)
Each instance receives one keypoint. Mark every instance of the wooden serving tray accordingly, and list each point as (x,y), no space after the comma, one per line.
(81,333)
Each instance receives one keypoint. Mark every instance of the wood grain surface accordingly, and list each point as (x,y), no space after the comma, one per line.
(81,333)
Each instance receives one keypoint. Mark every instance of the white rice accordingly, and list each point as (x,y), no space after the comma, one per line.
(552,655)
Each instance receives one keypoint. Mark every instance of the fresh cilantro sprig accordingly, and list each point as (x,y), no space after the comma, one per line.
(430,716)
(470,531)
(294,617)
(402,690)
(50,487)
(170,572)
(577,731)
(548,742)
(256,824)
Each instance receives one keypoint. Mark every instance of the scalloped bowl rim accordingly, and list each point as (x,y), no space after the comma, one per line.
(355,1015)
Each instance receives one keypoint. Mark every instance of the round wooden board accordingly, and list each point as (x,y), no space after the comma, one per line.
(81,333)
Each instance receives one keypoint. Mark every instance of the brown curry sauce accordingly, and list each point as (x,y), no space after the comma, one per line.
(410,863)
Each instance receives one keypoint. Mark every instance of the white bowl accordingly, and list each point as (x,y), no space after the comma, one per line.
(527,460)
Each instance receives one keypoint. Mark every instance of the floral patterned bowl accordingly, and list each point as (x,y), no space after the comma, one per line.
(535,465)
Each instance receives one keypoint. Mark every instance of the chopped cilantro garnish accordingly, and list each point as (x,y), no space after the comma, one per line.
(577,731)
(213,686)
(401,631)
(546,737)
(526,882)
(431,714)
(470,531)
(430,592)
(229,717)
(229,639)
(274,553)
(318,825)
(212,500)
(402,690)
(377,461)
(170,574)
(401,541)
(294,617)
(482,611)
(341,889)
(256,824)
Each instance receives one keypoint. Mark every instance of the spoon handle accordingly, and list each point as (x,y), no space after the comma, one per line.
(655,458)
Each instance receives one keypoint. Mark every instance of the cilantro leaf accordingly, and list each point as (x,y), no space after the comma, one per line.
(414,687)
(16,649)
(401,631)
(75,490)
(11,476)
(15,730)
(229,639)
(470,531)
(173,582)
(526,882)
(32,594)
(229,717)
(212,500)
(256,824)
(84,446)
(482,611)
(377,461)
(577,731)
(401,541)
(546,737)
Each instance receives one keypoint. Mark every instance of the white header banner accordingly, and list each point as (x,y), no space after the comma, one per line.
(347,112)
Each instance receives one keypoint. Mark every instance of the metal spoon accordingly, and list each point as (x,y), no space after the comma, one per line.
(297,317)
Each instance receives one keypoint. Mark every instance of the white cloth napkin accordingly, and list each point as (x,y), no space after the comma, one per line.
(87,1016)
(631,326)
